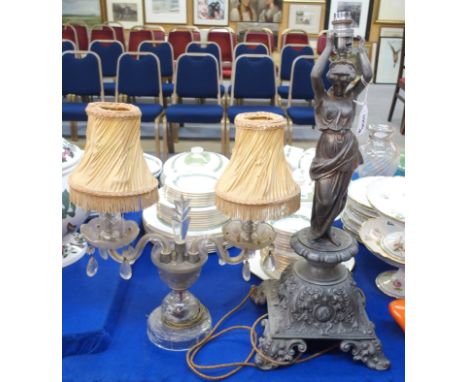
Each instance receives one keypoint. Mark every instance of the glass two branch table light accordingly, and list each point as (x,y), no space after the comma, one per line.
(113,178)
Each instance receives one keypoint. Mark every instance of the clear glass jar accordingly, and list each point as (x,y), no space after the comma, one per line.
(381,155)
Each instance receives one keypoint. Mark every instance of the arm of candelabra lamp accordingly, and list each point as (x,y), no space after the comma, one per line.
(199,245)
(133,254)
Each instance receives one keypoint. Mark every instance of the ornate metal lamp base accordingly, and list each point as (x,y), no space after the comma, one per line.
(316,298)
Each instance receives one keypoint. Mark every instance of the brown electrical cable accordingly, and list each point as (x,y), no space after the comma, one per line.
(193,351)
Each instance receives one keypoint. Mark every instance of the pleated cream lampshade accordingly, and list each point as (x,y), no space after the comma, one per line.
(257,184)
(113,175)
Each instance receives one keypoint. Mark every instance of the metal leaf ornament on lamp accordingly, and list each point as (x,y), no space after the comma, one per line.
(256,186)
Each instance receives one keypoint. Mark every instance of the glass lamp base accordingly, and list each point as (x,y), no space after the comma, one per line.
(178,336)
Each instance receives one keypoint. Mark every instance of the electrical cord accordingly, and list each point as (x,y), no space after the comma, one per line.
(212,335)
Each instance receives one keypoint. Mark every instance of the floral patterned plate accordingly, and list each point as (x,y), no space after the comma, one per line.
(73,248)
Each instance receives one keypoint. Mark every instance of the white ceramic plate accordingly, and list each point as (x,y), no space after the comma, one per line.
(306,159)
(154,164)
(357,190)
(293,155)
(387,196)
(73,248)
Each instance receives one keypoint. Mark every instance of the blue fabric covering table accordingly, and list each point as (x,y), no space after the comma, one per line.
(131,357)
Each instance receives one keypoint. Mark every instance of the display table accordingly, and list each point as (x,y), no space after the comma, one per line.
(131,357)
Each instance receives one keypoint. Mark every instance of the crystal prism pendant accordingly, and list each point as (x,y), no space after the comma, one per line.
(246,270)
(270,262)
(92,267)
(221,261)
(126,270)
(104,254)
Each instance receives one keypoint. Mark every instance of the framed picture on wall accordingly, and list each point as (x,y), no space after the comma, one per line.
(391,32)
(259,11)
(127,12)
(308,17)
(165,11)
(87,11)
(210,12)
(361,13)
(391,12)
(388,60)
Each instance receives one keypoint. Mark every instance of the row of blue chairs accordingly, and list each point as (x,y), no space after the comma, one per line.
(110,50)
(197,76)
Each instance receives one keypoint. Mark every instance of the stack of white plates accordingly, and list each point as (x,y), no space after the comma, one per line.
(196,161)
(289,225)
(153,224)
(358,209)
(193,176)
(201,218)
(199,188)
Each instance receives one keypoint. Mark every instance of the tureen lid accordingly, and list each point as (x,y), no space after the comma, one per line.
(197,160)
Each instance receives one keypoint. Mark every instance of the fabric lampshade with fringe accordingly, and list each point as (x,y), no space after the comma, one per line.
(113,175)
(257,184)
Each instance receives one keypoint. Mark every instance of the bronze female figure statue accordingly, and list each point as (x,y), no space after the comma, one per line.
(337,154)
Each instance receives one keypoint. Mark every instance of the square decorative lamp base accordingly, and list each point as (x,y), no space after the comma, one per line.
(316,298)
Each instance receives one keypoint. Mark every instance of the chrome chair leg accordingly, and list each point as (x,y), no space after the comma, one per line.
(156,135)
(74,131)
(165,143)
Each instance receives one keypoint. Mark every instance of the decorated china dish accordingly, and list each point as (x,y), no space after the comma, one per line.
(72,216)
(73,248)
(394,243)
(387,196)
(392,283)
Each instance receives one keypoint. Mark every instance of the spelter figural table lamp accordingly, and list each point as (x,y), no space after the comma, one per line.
(113,178)
(256,186)
(316,297)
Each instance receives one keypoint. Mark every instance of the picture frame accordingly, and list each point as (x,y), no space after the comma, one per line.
(129,13)
(165,11)
(90,12)
(257,11)
(391,12)
(211,12)
(391,32)
(306,16)
(388,60)
(361,13)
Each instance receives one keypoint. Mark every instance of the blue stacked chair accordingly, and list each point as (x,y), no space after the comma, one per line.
(288,54)
(139,75)
(250,48)
(163,50)
(81,76)
(109,52)
(68,45)
(300,89)
(196,76)
(208,48)
(253,78)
